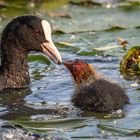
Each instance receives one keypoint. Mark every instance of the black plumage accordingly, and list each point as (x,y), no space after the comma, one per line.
(22,35)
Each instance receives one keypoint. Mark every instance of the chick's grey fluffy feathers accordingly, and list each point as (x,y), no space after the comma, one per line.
(100,96)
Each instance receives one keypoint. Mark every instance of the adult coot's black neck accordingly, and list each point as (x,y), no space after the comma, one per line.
(22,35)
(14,66)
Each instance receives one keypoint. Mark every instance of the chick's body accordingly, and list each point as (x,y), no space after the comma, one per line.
(93,92)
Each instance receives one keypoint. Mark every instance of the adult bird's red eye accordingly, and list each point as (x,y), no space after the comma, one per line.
(36,32)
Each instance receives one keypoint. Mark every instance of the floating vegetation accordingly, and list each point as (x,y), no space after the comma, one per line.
(130,64)
(38,57)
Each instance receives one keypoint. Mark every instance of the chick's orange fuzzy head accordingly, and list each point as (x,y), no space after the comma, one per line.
(76,66)
(80,70)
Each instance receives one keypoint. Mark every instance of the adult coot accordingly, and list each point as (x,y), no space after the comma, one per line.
(93,92)
(22,35)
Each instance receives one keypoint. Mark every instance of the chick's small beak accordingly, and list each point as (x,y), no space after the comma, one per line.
(51,51)
(68,64)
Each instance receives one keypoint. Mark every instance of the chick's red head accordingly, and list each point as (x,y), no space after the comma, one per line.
(80,70)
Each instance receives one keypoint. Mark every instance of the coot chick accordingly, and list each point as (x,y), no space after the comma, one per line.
(93,92)
(22,35)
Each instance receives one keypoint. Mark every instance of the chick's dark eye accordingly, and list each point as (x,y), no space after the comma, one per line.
(36,32)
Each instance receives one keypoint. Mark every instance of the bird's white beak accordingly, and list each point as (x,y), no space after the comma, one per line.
(48,46)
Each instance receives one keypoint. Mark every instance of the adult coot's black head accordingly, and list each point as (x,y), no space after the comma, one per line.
(32,34)
(22,35)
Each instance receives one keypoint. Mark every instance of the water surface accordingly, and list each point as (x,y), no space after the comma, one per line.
(45,106)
